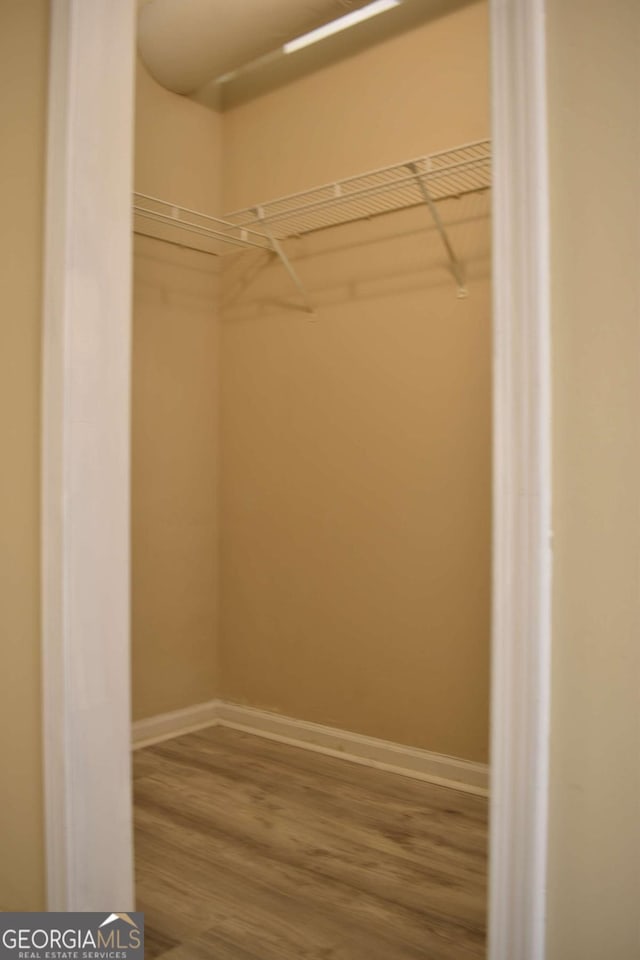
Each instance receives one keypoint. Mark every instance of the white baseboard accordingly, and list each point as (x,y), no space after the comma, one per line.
(165,726)
(354,747)
(370,751)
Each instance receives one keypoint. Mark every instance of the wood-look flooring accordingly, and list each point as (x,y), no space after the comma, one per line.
(248,849)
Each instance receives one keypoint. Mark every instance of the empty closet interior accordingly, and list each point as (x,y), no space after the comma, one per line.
(311,413)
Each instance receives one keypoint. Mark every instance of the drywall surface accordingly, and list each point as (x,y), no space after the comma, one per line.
(174,416)
(355,450)
(594,851)
(24,35)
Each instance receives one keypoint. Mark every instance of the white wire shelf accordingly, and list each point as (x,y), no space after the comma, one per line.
(448,174)
(423,181)
(175,224)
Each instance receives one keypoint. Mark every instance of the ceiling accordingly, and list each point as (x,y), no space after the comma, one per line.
(185,44)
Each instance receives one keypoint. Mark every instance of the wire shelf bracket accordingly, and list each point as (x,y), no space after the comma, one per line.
(286,262)
(456,266)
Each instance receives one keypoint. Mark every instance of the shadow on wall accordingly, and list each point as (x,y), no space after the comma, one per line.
(174,478)
(168,273)
(356,481)
(386,257)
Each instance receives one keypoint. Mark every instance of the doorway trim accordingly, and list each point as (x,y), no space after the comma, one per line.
(521,628)
(86,470)
(85,456)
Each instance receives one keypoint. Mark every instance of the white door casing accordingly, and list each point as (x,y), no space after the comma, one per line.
(85,472)
(521,628)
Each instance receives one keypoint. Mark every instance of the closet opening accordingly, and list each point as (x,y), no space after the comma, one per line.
(311,483)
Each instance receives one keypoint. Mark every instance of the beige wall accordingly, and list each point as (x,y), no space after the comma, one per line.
(594,859)
(23,73)
(356,450)
(372,367)
(424,90)
(174,416)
